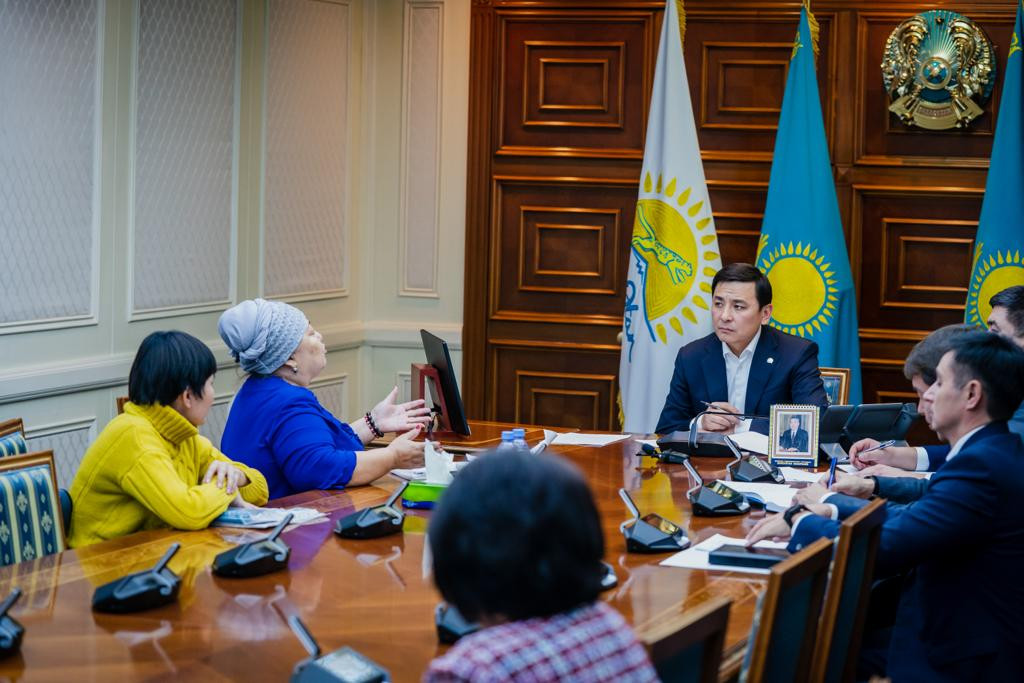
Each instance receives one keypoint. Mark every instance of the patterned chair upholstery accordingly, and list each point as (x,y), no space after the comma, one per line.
(12,438)
(30,516)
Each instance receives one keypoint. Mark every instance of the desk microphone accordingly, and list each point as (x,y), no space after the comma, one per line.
(141,590)
(11,632)
(753,469)
(717,500)
(344,665)
(651,533)
(451,625)
(376,521)
(258,557)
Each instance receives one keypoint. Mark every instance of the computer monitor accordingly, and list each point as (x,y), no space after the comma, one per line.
(880,421)
(436,350)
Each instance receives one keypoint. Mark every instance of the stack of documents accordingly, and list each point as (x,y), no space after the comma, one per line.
(266,518)
(580,439)
(696,557)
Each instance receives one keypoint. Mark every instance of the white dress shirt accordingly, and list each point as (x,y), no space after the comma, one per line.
(737,372)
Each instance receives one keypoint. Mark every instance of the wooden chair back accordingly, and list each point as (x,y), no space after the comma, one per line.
(782,636)
(12,437)
(688,649)
(120,401)
(31,523)
(846,601)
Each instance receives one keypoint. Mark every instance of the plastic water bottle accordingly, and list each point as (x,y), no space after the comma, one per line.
(506,442)
(519,439)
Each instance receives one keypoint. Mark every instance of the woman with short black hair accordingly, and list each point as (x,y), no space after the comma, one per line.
(517,545)
(150,467)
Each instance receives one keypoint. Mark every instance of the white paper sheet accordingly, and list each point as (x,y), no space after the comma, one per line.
(849,469)
(580,439)
(266,518)
(778,494)
(794,474)
(696,557)
(755,442)
(653,443)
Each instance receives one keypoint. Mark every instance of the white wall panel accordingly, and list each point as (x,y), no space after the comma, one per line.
(48,156)
(68,441)
(305,129)
(421,148)
(331,392)
(184,163)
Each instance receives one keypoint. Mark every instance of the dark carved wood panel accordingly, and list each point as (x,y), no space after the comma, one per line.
(737,72)
(916,255)
(570,387)
(570,81)
(558,107)
(563,246)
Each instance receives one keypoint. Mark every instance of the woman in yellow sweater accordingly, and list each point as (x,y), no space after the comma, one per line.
(150,467)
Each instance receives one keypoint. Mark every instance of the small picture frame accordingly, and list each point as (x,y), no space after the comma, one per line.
(837,385)
(793,435)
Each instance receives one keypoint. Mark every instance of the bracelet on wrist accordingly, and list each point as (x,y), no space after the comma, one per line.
(372,425)
(874,487)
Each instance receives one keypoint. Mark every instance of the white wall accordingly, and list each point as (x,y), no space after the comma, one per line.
(190,155)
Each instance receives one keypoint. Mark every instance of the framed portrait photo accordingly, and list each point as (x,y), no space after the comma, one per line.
(793,435)
(837,385)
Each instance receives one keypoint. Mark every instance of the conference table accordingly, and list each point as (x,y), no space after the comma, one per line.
(375,596)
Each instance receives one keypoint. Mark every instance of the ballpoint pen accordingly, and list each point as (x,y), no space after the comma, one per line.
(884,444)
(832,473)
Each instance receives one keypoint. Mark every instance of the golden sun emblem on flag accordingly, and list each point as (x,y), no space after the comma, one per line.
(667,238)
(991,275)
(804,289)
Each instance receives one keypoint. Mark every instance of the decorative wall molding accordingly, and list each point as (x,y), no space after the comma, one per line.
(419,211)
(103,372)
(183,183)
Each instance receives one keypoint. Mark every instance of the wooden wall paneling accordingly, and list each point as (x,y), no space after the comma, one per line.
(573,82)
(570,386)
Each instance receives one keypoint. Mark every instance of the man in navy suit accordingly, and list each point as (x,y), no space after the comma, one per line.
(1006,319)
(744,366)
(794,439)
(959,614)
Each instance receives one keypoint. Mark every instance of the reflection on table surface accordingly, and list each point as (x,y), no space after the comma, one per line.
(375,596)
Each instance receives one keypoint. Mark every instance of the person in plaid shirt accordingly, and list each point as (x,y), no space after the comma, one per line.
(517,545)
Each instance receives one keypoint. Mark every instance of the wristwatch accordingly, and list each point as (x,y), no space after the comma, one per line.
(874,488)
(791,512)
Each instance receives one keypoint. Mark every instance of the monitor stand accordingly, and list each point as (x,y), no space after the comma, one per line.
(426,384)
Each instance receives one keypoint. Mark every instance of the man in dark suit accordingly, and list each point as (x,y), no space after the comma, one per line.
(1007,319)
(744,366)
(794,439)
(959,614)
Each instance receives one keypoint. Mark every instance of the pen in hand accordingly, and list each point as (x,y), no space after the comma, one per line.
(884,444)
(832,473)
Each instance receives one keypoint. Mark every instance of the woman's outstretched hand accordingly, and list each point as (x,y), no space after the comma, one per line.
(399,417)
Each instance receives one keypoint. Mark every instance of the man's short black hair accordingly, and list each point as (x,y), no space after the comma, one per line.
(744,272)
(926,354)
(997,363)
(1012,299)
(166,364)
(518,536)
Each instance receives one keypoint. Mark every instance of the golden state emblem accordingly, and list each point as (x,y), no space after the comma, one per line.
(677,256)
(992,273)
(804,291)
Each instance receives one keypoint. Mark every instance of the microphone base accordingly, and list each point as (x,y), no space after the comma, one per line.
(706,445)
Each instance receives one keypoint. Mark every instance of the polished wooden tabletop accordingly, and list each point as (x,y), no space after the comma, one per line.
(375,596)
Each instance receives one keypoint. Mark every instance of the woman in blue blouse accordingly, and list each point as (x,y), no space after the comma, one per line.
(277,425)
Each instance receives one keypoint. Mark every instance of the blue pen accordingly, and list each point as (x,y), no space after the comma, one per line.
(832,473)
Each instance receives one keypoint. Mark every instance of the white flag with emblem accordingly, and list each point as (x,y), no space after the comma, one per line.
(674,251)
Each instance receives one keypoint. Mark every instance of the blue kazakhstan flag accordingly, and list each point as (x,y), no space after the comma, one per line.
(997,247)
(802,249)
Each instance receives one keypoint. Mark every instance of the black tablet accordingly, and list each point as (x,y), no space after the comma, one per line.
(436,350)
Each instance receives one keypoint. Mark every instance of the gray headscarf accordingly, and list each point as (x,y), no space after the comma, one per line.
(262,334)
